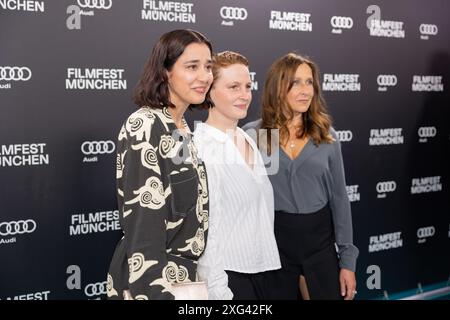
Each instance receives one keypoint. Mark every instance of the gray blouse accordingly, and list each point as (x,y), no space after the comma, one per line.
(310,181)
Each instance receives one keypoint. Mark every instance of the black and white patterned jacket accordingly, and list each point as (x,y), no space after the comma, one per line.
(163,204)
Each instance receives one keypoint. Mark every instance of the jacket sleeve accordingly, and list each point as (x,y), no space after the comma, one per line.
(144,209)
(340,207)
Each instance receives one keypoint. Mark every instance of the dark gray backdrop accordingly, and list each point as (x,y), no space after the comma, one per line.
(40,257)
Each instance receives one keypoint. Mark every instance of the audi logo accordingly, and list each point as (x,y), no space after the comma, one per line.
(95,289)
(386,186)
(95,4)
(387,80)
(15,73)
(427,132)
(426,232)
(233,13)
(344,135)
(17,227)
(98,147)
(341,22)
(430,29)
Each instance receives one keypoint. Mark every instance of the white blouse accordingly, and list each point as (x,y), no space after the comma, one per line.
(241,213)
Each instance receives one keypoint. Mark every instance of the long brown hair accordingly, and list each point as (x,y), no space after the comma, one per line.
(316,122)
(153,87)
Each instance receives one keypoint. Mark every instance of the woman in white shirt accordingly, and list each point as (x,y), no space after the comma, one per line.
(241,245)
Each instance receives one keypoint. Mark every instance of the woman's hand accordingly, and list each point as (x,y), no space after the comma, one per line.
(348,284)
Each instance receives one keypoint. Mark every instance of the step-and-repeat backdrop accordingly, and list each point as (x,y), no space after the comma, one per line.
(67,71)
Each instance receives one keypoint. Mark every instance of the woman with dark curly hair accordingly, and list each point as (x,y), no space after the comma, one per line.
(162,195)
(312,210)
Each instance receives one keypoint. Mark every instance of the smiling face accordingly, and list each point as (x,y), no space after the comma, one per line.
(191,76)
(302,91)
(231,92)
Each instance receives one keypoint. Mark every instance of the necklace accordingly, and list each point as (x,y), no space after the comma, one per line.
(292,145)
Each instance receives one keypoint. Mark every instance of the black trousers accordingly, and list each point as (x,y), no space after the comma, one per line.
(247,286)
(306,246)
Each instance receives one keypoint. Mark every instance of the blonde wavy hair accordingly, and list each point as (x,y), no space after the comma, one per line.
(276,112)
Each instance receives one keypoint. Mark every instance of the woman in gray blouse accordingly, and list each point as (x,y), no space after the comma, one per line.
(312,210)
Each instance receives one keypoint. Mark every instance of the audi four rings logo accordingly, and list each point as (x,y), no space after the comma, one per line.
(344,135)
(430,29)
(341,22)
(15,73)
(95,289)
(98,147)
(17,227)
(386,186)
(427,132)
(233,13)
(95,4)
(426,232)
(387,80)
